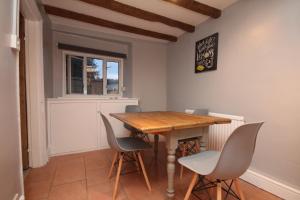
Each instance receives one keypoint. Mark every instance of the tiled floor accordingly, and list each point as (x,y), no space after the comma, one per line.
(84,177)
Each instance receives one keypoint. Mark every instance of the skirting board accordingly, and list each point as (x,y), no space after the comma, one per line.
(270,185)
(17,197)
(50,154)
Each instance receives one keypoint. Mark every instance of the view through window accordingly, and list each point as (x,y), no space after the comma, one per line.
(112,77)
(92,75)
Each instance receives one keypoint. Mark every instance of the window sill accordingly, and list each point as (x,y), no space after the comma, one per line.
(91,97)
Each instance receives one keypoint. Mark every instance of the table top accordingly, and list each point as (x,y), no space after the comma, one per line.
(165,121)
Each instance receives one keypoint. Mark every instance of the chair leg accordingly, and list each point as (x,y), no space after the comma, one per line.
(219,191)
(112,164)
(144,171)
(191,186)
(118,177)
(238,189)
(198,149)
(147,137)
(136,162)
(183,153)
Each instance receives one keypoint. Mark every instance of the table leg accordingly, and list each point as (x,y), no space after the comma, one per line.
(172,143)
(171,172)
(156,139)
(204,139)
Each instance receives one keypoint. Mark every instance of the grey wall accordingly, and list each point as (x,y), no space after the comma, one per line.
(10,166)
(149,74)
(257,77)
(144,70)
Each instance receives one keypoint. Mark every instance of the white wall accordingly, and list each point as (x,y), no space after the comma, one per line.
(48,57)
(144,70)
(257,77)
(10,164)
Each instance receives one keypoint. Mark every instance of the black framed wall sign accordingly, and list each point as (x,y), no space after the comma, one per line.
(206,54)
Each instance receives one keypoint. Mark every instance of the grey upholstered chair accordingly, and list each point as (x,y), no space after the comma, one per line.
(229,164)
(133,108)
(125,146)
(200,111)
(135,132)
(190,146)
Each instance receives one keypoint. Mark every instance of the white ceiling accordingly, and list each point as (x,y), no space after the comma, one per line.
(156,6)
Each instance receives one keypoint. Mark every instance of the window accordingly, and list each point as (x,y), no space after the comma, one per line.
(87,74)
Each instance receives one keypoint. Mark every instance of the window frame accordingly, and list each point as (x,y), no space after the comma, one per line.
(104,72)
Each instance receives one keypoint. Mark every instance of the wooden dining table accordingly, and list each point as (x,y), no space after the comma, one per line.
(173,126)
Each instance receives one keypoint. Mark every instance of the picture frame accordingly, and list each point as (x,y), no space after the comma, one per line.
(206,53)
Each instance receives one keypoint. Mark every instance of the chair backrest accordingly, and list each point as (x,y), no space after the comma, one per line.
(237,152)
(133,108)
(200,111)
(130,109)
(111,138)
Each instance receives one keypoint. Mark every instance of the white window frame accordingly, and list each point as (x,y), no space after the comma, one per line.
(104,72)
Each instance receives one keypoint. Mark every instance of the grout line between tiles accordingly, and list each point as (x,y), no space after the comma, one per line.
(52,179)
(85,174)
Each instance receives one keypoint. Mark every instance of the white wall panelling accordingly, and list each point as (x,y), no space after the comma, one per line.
(75,125)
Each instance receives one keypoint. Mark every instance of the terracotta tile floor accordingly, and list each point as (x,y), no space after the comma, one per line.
(84,177)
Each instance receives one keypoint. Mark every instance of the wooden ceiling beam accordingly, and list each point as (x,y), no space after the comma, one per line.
(197,7)
(105,23)
(139,13)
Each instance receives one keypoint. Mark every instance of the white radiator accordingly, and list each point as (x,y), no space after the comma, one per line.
(219,133)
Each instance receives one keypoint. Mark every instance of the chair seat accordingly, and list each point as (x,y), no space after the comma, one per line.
(202,163)
(132,144)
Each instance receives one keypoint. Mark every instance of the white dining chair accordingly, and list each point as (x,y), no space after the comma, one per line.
(229,164)
(125,146)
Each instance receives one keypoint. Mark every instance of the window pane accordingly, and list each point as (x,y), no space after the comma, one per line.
(94,76)
(112,77)
(74,74)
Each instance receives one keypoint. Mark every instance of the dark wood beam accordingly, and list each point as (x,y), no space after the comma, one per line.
(183,2)
(197,7)
(105,23)
(139,13)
